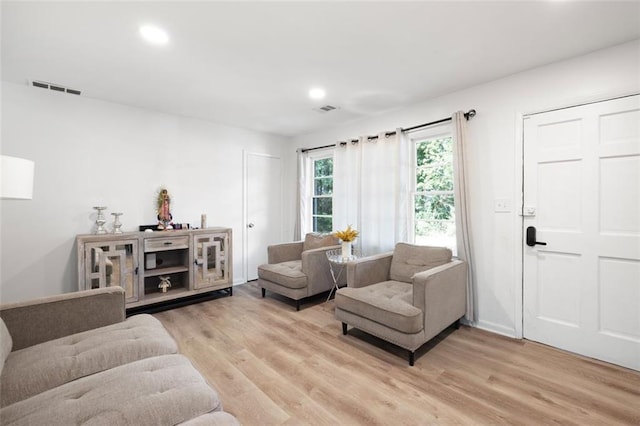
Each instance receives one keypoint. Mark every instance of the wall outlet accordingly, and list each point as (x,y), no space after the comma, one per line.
(502,205)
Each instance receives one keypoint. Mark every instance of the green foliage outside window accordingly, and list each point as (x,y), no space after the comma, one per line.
(434,205)
(323,186)
(322,224)
(323,167)
(322,213)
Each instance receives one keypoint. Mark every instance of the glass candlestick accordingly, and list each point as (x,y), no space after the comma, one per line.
(100,220)
(116,223)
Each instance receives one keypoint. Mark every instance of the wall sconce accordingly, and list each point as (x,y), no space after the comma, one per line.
(17,178)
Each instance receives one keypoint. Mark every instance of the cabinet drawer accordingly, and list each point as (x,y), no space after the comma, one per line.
(169,243)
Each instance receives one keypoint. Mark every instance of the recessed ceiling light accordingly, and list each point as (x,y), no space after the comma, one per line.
(317,93)
(154,34)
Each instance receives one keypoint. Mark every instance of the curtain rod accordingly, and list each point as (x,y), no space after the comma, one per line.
(468,115)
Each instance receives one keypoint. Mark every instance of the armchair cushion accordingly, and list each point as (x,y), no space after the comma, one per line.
(288,274)
(388,302)
(314,241)
(409,259)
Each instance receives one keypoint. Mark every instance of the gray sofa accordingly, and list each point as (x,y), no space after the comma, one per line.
(405,297)
(75,359)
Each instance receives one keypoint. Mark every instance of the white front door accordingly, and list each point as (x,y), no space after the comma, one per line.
(582,196)
(263,208)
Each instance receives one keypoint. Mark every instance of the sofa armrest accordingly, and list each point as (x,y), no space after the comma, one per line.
(284,252)
(369,270)
(52,317)
(441,293)
(315,266)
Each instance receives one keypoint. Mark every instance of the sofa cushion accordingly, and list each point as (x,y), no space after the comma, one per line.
(288,274)
(5,343)
(409,259)
(217,418)
(313,241)
(387,302)
(41,367)
(160,390)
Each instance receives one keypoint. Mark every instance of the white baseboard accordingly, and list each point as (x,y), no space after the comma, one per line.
(496,328)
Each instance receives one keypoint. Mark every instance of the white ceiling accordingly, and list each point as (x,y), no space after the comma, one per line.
(251,64)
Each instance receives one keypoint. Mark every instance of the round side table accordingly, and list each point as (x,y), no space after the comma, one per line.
(337,265)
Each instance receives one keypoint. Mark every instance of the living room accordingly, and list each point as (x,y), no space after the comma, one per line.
(92,150)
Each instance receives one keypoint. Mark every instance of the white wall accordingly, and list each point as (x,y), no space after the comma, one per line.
(496,164)
(89,152)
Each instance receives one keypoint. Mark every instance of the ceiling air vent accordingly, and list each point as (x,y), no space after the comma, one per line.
(55,87)
(38,84)
(326,108)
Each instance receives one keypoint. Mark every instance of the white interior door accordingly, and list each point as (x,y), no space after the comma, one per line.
(263,208)
(582,195)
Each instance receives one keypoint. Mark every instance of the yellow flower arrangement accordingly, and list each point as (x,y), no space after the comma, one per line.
(347,235)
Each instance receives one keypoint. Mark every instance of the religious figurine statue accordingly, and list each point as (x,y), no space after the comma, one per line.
(164,210)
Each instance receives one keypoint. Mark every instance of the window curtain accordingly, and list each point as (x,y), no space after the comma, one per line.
(462,209)
(302,223)
(346,186)
(372,190)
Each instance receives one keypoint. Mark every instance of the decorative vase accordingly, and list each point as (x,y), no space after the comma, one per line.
(116,223)
(346,250)
(100,220)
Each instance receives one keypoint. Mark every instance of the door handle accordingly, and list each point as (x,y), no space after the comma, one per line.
(251,225)
(531,237)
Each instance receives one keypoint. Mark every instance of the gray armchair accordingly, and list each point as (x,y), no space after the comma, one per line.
(298,270)
(405,297)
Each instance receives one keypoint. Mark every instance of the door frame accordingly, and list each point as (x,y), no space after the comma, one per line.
(245,205)
(519,194)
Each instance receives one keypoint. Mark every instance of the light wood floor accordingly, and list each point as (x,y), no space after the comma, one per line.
(272,365)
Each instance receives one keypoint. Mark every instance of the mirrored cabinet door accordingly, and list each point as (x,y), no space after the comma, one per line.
(113,263)
(210,259)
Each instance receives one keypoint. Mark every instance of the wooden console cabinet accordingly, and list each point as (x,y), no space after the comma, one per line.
(195,261)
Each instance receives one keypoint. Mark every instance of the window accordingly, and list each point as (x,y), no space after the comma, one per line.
(434,214)
(322,201)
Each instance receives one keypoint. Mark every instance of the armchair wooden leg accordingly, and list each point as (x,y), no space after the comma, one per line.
(344,328)
(298,305)
(412,358)
(456,324)
(264,292)
(231,291)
